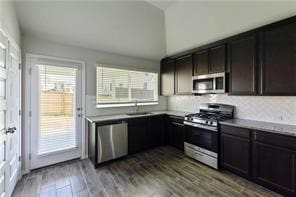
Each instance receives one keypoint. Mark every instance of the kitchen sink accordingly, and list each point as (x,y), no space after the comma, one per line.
(138,113)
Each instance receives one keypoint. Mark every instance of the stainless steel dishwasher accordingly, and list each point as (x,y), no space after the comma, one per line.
(112,141)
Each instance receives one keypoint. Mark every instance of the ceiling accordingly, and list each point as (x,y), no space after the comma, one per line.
(129,28)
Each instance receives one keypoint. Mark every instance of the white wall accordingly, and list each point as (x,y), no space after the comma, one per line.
(91,57)
(191,24)
(8,21)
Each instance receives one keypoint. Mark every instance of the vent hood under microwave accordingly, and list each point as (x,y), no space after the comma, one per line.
(209,84)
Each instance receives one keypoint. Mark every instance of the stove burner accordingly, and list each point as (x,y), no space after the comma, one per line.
(211,116)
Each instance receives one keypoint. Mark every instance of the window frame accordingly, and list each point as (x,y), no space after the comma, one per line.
(131,103)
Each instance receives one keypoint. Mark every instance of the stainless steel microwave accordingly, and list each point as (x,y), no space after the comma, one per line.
(207,84)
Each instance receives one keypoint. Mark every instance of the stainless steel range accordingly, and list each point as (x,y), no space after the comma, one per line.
(201,136)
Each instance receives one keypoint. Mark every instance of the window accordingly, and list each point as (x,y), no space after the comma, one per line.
(118,87)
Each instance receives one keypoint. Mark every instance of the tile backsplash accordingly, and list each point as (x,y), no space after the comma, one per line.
(279,109)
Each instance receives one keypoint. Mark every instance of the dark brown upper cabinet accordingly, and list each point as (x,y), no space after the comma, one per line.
(183,75)
(242,61)
(260,62)
(201,63)
(167,78)
(278,58)
(217,59)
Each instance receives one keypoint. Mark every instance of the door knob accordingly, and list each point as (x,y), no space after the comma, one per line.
(10,130)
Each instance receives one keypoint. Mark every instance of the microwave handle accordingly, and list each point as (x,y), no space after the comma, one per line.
(214,83)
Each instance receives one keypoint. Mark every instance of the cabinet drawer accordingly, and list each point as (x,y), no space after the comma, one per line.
(176,119)
(236,131)
(275,139)
(138,121)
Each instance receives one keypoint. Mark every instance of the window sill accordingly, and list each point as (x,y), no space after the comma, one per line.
(100,106)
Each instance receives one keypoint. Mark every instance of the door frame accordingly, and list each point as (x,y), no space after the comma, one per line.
(26,138)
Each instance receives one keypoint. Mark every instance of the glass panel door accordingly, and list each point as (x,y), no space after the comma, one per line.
(56,119)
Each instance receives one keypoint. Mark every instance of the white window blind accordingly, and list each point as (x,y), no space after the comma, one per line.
(57,109)
(118,86)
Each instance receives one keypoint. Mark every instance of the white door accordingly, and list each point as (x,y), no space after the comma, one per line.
(56,121)
(9,116)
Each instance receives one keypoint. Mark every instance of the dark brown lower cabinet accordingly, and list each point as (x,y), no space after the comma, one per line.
(235,154)
(157,131)
(236,150)
(263,157)
(176,132)
(145,132)
(138,135)
(274,164)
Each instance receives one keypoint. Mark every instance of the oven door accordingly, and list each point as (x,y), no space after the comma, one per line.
(202,137)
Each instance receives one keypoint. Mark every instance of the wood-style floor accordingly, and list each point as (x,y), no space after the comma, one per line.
(163,171)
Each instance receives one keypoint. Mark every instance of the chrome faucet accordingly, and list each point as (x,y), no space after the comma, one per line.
(136,106)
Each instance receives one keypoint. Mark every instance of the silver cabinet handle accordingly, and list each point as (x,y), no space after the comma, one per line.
(10,130)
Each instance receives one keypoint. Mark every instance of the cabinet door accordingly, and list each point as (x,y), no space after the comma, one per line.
(138,135)
(156,137)
(235,154)
(201,63)
(217,59)
(171,132)
(278,59)
(176,133)
(180,135)
(275,168)
(183,75)
(243,65)
(167,75)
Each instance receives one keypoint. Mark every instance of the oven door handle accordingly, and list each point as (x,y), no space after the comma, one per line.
(201,126)
(176,123)
(199,154)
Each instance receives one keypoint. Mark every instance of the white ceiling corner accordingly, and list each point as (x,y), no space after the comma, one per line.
(163,5)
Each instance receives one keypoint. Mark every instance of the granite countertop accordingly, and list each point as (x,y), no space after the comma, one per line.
(284,129)
(125,116)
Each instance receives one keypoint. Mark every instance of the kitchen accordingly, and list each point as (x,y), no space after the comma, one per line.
(146,104)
